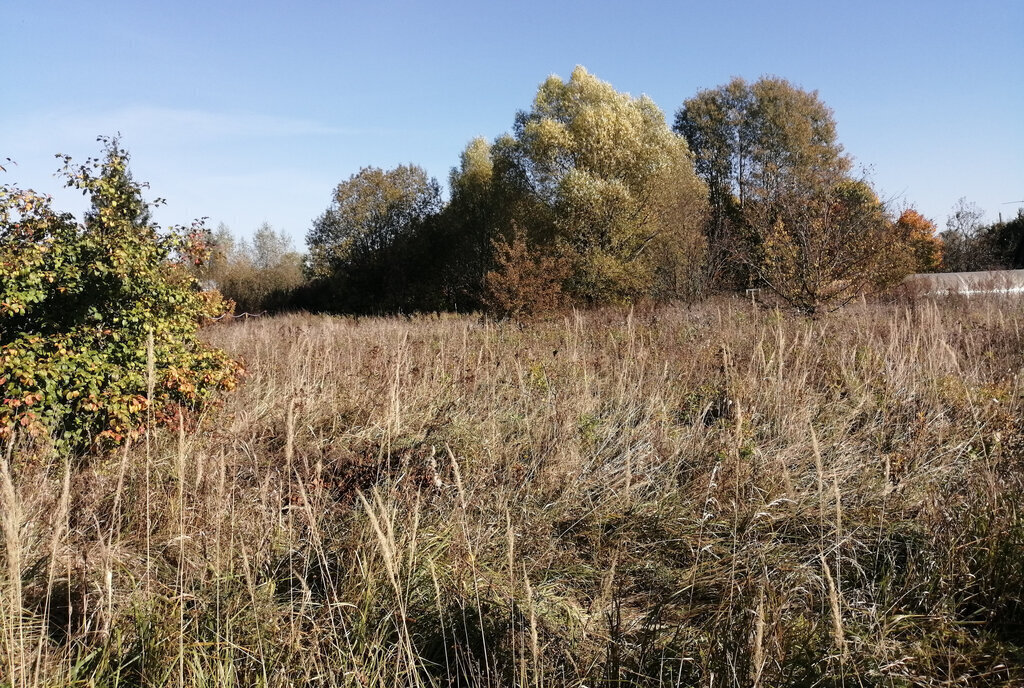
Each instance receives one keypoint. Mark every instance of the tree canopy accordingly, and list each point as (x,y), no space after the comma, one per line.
(971,244)
(923,243)
(603,180)
(469,224)
(370,211)
(822,247)
(258,274)
(786,213)
(753,141)
(751,187)
(756,143)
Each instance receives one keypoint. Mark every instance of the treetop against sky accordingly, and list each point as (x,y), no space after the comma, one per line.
(253,112)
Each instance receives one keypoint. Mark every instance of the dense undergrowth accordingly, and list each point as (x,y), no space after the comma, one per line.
(706,496)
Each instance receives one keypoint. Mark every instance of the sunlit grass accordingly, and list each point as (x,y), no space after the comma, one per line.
(715,495)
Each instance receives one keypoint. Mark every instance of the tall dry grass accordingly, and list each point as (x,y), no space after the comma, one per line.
(712,496)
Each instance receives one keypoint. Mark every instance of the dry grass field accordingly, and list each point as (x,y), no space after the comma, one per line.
(705,496)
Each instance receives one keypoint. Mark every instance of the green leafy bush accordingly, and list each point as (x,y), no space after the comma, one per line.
(98,319)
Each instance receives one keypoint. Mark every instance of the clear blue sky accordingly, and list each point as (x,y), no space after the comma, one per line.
(247,112)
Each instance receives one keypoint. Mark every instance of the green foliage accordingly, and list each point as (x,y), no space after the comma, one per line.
(1007,241)
(793,143)
(370,213)
(971,245)
(751,141)
(257,275)
(600,178)
(785,212)
(470,223)
(755,144)
(80,302)
(379,247)
(591,180)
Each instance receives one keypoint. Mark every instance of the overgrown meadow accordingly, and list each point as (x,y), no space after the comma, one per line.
(718,495)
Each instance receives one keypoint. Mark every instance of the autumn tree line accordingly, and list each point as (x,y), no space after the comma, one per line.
(593,198)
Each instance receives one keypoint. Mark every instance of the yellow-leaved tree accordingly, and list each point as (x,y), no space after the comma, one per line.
(819,248)
(599,179)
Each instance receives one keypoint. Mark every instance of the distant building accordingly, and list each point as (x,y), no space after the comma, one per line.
(963,283)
